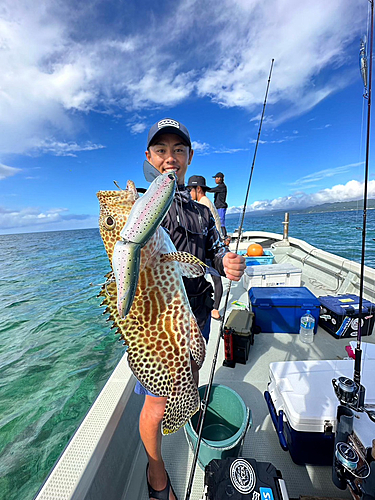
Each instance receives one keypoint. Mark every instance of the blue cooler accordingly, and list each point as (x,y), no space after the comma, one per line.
(279,309)
(303,405)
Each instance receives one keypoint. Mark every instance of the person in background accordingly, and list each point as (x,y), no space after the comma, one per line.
(197,186)
(220,197)
(192,229)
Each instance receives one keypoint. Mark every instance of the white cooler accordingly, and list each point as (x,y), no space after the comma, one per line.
(272,275)
(303,405)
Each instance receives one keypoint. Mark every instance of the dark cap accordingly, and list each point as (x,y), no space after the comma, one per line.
(219,174)
(168,126)
(197,180)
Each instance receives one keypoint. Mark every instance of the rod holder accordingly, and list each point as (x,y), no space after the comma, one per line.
(285,241)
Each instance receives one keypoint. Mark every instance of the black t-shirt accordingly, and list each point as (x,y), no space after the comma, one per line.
(220,195)
(192,229)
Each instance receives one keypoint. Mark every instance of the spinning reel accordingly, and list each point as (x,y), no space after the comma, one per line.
(351,469)
(352,395)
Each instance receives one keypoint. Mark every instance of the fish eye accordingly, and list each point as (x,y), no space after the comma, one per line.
(109,223)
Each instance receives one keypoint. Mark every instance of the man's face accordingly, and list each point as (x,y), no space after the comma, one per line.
(170,154)
(218,180)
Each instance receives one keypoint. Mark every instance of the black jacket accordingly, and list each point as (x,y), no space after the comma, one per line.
(192,229)
(220,195)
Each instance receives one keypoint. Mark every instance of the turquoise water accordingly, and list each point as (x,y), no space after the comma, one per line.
(56,349)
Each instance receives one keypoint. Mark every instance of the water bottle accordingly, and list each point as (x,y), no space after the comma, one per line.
(306,330)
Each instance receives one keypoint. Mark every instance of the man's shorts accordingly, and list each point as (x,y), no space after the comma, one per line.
(139,389)
(222,212)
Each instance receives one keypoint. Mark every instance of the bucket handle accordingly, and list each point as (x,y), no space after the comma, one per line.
(277,419)
(249,420)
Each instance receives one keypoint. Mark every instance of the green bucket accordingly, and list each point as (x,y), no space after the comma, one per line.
(226,422)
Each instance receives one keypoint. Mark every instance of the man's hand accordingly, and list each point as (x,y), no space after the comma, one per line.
(234,266)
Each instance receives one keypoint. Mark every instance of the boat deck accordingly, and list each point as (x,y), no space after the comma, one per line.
(106,459)
(261,442)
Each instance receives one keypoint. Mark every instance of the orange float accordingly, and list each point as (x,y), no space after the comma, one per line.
(254,250)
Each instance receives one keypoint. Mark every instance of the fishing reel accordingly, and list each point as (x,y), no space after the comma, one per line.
(350,467)
(352,395)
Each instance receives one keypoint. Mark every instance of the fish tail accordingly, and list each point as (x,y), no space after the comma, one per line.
(181,405)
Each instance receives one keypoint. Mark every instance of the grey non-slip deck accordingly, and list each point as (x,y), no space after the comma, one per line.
(250,382)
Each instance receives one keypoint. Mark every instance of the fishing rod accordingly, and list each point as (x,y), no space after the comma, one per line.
(367,95)
(204,402)
(352,393)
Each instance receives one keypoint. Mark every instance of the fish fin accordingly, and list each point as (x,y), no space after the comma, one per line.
(197,343)
(190,266)
(182,404)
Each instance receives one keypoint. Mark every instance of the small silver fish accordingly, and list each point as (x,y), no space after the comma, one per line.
(145,217)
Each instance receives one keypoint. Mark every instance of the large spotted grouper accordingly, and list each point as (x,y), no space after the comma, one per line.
(146,298)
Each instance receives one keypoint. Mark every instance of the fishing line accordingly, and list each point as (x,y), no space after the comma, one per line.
(204,402)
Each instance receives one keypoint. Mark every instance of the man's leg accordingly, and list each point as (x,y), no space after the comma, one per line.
(150,431)
(222,212)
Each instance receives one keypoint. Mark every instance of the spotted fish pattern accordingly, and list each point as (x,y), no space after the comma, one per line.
(159,329)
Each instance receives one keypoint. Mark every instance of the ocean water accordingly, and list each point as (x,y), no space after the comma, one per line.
(56,348)
(336,232)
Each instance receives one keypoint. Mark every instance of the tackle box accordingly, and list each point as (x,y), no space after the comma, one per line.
(339,315)
(266,258)
(279,309)
(238,336)
(243,479)
(303,405)
(272,275)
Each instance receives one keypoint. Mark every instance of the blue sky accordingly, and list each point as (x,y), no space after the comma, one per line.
(82,82)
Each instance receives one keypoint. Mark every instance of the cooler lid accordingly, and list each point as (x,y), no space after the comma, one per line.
(271,269)
(283,296)
(342,304)
(306,391)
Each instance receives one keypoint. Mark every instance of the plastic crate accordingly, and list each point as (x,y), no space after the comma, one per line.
(266,258)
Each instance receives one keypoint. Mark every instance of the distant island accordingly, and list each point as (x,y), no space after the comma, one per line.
(343,206)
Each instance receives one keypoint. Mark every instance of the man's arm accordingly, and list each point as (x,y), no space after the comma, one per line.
(216,189)
(226,263)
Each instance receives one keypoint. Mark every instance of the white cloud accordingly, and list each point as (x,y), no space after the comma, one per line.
(351,191)
(138,128)
(6,171)
(58,148)
(205,149)
(323,174)
(61,61)
(200,148)
(230,151)
(33,219)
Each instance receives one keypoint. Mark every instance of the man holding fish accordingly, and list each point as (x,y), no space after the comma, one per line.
(192,229)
